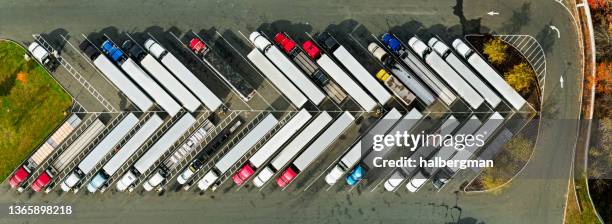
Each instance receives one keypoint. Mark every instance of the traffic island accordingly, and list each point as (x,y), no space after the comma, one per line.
(513,149)
(32,105)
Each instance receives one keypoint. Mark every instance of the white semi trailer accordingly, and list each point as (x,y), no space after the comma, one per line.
(96,154)
(354,154)
(237,151)
(124,153)
(210,100)
(274,144)
(465,72)
(315,149)
(277,78)
(489,74)
(287,67)
(473,99)
(292,148)
(160,147)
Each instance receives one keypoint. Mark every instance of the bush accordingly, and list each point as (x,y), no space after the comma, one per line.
(495,49)
(521,77)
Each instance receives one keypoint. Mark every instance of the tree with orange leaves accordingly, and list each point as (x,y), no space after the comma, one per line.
(602,79)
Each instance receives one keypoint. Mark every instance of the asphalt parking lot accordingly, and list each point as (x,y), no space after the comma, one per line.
(307,199)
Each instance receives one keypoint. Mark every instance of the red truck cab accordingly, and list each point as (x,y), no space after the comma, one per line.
(243,174)
(286,177)
(20,175)
(287,44)
(311,49)
(41,181)
(197,46)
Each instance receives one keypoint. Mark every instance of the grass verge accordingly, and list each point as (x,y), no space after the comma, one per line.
(32,104)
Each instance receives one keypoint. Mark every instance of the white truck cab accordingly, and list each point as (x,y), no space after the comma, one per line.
(416,182)
(208,180)
(263,177)
(39,53)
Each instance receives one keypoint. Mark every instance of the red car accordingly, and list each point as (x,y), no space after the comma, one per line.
(41,182)
(286,177)
(197,46)
(243,174)
(20,175)
(287,44)
(311,49)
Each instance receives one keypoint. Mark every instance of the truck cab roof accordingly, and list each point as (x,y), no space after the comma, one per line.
(70,181)
(41,181)
(327,41)
(20,175)
(96,182)
(287,44)
(263,177)
(38,52)
(462,48)
(154,48)
(419,47)
(208,180)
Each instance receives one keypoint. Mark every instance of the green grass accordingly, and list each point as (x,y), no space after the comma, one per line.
(580,211)
(32,105)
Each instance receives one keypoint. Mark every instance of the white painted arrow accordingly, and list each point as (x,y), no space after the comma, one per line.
(556,30)
(561,81)
(492,13)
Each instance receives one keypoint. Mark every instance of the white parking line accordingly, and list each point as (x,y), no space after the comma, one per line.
(76,75)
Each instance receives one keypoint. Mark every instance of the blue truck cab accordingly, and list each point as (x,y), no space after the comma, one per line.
(392,43)
(112,51)
(355,176)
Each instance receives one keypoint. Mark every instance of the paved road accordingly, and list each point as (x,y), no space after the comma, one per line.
(536,196)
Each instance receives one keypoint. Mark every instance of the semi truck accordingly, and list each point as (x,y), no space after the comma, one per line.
(401,78)
(170,83)
(43,151)
(96,154)
(66,156)
(315,149)
(287,67)
(212,147)
(486,130)
(405,124)
(274,144)
(309,67)
(419,68)
(354,67)
(277,78)
(161,146)
(292,148)
(237,151)
(465,72)
(114,75)
(447,127)
(154,90)
(354,154)
(330,67)
(398,89)
(489,74)
(227,73)
(210,100)
(40,54)
(183,150)
(423,174)
(447,73)
(124,153)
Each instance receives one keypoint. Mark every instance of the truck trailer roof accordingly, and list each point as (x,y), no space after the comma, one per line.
(147,129)
(246,143)
(164,143)
(107,144)
(112,73)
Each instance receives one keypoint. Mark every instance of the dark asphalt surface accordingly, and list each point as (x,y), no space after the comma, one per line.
(536,196)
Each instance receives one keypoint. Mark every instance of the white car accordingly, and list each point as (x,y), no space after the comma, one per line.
(39,53)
